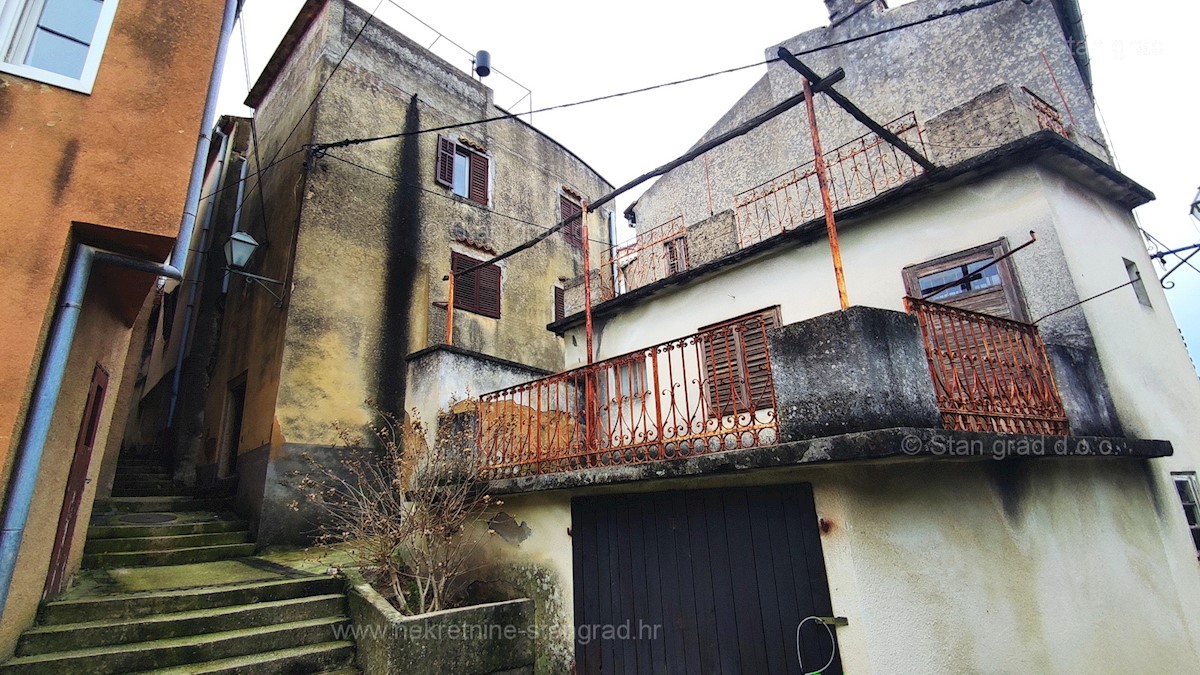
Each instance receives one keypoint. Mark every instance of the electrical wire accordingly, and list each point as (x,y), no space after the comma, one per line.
(1098,295)
(832,641)
(933,17)
(315,98)
(435,193)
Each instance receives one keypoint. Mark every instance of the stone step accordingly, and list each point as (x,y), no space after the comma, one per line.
(155,504)
(318,658)
(134,605)
(74,636)
(173,556)
(180,651)
(167,490)
(162,543)
(170,529)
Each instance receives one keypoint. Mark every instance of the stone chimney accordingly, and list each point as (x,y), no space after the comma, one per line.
(840,10)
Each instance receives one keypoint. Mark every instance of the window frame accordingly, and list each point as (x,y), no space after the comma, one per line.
(735,347)
(18,21)
(478,282)
(1011,292)
(573,231)
(477,185)
(1191,511)
(675,251)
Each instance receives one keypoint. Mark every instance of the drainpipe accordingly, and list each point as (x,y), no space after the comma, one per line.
(66,318)
(192,279)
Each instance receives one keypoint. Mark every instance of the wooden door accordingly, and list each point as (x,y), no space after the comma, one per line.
(703,581)
(77,481)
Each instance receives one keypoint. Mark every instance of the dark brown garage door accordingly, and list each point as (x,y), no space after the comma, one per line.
(706,581)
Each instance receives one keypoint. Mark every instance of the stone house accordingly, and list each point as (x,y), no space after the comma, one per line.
(100,108)
(978,466)
(361,238)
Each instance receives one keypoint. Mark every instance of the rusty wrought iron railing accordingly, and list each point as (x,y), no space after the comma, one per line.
(1048,116)
(656,254)
(708,392)
(858,171)
(990,374)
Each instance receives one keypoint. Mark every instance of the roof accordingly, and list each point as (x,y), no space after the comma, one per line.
(304,19)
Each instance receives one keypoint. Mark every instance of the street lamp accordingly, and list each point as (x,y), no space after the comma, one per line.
(239,248)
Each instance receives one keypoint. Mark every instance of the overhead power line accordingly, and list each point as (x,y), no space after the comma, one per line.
(858,38)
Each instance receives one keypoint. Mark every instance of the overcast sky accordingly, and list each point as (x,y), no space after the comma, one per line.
(1143,61)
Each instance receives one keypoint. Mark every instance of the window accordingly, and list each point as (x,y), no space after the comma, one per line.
(560,303)
(1135,277)
(968,282)
(463,170)
(737,372)
(677,254)
(1189,496)
(477,291)
(622,394)
(58,42)
(573,231)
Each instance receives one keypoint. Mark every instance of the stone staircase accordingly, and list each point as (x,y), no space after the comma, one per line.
(170,586)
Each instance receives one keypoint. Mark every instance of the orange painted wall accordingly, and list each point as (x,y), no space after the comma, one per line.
(114,162)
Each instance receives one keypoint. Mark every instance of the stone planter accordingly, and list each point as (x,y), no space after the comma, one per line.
(492,639)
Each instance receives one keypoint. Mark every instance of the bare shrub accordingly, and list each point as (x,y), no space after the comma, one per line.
(411,515)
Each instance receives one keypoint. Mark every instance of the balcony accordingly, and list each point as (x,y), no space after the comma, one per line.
(859,384)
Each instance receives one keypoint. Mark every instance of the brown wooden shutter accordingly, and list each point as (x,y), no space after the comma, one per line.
(560,303)
(572,231)
(477,291)
(477,189)
(677,254)
(488,280)
(445,162)
(736,363)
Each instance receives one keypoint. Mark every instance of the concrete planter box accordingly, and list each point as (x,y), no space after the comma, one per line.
(491,639)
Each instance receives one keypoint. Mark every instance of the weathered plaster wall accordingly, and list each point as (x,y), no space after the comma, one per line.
(101,338)
(928,69)
(113,165)
(954,566)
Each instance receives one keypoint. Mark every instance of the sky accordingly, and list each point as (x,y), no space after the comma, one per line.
(1143,64)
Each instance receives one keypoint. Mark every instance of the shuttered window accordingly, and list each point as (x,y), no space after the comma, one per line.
(969,283)
(560,303)
(737,372)
(676,250)
(463,170)
(477,291)
(572,231)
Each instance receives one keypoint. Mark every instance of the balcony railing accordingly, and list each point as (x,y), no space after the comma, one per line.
(858,171)
(656,254)
(989,374)
(1048,116)
(708,392)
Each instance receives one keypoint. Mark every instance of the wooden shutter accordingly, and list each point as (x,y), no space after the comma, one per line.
(477,188)
(737,371)
(560,303)
(677,254)
(477,291)
(572,231)
(445,162)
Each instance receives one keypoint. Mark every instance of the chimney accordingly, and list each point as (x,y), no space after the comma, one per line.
(840,10)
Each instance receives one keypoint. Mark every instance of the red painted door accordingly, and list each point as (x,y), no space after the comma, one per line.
(76,482)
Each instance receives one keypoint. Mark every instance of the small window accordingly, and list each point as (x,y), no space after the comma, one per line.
(560,303)
(1189,496)
(969,280)
(676,249)
(477,291)
(58,42)
(573,231)
(463,170)
(1139,287)
(737,372)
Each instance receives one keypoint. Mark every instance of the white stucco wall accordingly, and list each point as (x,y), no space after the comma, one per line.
(1062,566)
